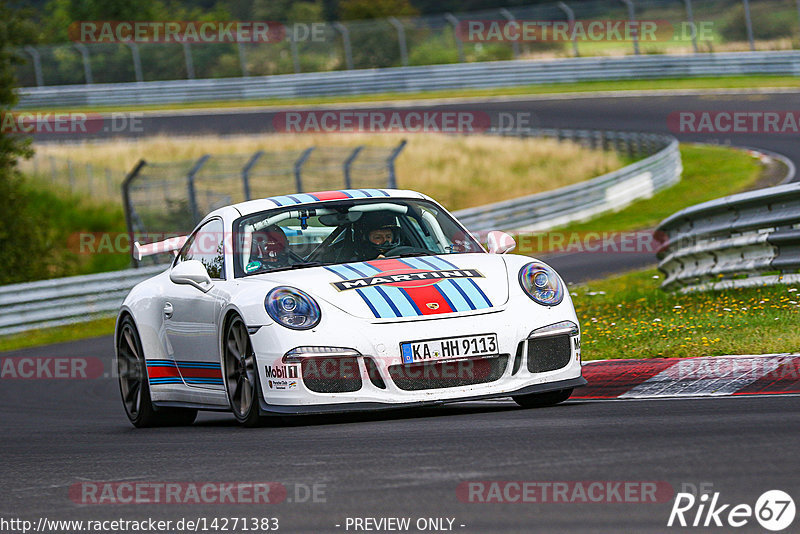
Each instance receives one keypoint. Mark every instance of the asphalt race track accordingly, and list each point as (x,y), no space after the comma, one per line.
(59,433)
(646,113)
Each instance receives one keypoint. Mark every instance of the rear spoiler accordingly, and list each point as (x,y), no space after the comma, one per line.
(173,244)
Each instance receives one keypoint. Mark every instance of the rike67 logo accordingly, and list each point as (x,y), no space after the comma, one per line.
(774,510)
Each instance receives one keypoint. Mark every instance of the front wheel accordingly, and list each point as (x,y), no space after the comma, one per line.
(135,388)
(539,400)
(241,374)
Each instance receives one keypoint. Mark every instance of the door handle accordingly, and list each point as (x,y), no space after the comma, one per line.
(168,309)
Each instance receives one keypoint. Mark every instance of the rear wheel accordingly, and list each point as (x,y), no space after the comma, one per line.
(539,400)
(135,388)
(241,374)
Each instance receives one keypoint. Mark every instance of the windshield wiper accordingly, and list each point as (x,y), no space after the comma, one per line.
(412,254)
(298,266)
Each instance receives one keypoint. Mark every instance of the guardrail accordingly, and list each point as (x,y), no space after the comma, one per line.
(743,240)
(611,191)
(65,301)
(412,79)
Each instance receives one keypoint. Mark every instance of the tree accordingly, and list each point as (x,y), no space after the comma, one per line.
(62,13)
(19,238)
(11,33)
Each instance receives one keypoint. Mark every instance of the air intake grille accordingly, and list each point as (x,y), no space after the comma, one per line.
(331,375)
(548,353)
(448,374)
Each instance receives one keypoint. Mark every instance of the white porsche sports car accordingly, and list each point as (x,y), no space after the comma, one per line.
(338,301)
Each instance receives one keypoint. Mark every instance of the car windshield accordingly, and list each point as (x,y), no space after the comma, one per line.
(328,233)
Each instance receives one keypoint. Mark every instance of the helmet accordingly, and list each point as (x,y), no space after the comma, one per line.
(270,245)
(368,235)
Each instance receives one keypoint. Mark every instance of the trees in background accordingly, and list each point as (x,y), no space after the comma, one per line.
(19,238)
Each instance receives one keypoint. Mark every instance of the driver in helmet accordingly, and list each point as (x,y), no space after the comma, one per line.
(270,249)
(376,232)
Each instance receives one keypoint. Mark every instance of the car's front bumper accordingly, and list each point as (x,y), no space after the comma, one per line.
(273,409)
(286,391)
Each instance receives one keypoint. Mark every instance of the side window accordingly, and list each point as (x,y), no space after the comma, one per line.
(207,246)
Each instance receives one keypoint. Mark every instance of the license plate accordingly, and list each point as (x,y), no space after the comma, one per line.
(449,347)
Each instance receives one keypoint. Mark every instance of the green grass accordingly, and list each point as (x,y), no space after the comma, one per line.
(709,172)
(723,82)
(64,217)
(48,336)
(629,317)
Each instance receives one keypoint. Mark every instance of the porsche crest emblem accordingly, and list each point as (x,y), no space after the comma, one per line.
(433,305)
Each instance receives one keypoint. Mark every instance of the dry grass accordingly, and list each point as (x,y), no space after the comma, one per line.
(456,170)
(674,47)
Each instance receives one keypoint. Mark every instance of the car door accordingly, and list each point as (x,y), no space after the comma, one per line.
(190,315)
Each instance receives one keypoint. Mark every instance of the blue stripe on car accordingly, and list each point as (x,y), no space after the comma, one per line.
(377,304)
(449,288)
(467,285)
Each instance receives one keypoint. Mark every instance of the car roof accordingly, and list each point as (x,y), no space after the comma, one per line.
(298,199)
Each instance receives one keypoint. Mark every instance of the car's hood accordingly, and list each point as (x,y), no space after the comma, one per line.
(406,288)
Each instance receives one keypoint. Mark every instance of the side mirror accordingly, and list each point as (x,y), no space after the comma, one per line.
(500,242)
(193,273)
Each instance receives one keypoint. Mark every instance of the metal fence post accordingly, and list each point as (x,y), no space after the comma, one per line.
(187,55)
(515,43)
(190,187)
(87,65)
(298,169)
(242,58)
(37,64)
(690,18)
(634,29)
(348,163)
(798,11)
(109,184)
(53,169)
(401,39)
(71,174)
(571,21)
(460,45)
(293,49)
(126,202)
(348,51)
(390,164)
(246,173)
(137,61)
(748,20)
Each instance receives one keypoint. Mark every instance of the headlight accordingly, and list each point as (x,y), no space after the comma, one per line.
(541,283)
(292,308)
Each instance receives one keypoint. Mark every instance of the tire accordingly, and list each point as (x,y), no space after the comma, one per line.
(540,400)
(134,386)
(241,374)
